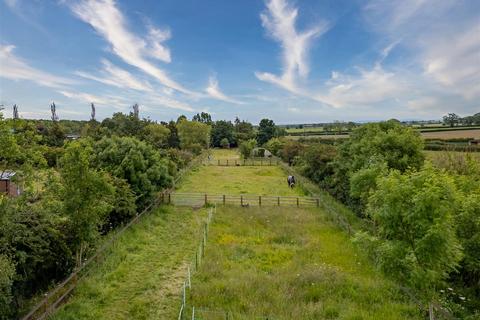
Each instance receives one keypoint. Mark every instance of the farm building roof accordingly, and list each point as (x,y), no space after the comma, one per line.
(7,175)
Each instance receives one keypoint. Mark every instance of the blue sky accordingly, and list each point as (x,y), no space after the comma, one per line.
(291,61)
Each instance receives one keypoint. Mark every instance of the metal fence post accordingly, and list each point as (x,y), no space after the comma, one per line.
(196,260)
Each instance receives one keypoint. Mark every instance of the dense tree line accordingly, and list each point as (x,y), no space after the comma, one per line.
(426,219)
(452,119)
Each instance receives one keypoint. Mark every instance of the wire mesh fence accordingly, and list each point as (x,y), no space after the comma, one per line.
(194,265)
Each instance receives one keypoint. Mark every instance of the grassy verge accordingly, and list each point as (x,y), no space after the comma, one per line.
(289,264)
(141,277)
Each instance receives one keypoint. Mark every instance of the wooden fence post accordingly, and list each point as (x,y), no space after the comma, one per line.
(318,203)
(260,201)
(227,162)
(298,203)
(206,201)
(278,201)
(241,200)
(218,161)
(169,198)
(223,199)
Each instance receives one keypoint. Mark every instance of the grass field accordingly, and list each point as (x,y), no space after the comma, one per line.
(224,154)
(265,180)
(452,134)
(452,160)
(286,263)
(289,264)
(141,277)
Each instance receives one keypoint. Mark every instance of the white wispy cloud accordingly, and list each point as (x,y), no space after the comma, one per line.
(279,20)
(214,91)
(15,68)
(117,77)
(110,23)
(155,100)
(442,35)
(364,88)
(84,97)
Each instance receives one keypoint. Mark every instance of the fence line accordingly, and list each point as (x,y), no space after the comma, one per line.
(195,264)
(244,200)
(57,295)
(242,162)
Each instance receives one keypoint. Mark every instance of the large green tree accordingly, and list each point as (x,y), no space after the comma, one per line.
(86,195)
(222,130)
(451,119)
(156,134)
(135,161)
(243,131)
(266,131)
(194,135)
(374,144)
(414,213)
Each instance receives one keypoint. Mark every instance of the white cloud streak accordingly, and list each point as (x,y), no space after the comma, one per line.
(279,20)
(214,91)
(109,22)
(117,77)
(15,68)
(443,35)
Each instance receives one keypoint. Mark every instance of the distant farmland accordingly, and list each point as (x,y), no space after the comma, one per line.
(452,134)
(443,134)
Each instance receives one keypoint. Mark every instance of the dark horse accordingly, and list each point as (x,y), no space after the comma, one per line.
(291,181)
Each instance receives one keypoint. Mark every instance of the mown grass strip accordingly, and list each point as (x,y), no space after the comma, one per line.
(140,277)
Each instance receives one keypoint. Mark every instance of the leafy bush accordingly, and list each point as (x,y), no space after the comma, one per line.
(414,213)
(136,162)
(246,148)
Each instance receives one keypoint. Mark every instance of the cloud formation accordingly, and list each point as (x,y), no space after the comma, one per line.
(279,20)
(109,22)
(442,35)
(14,68)
(214,91)
(117,77)
(366,87)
